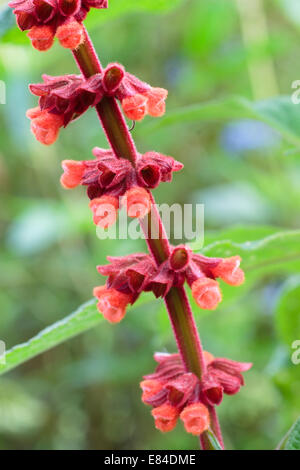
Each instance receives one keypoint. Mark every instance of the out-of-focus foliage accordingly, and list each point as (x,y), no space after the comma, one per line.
(292,440)
(84,394)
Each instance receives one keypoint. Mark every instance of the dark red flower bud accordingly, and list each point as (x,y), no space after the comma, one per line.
(162,281)
(45,10)
(25,13)
(156,101)
(181,389)
(69,7)
(112,78)
(153,167)
(211,391)
(150,389)
(229,270)
(180,258)
(73,173)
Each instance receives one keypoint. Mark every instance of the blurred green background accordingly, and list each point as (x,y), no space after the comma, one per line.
(84,394)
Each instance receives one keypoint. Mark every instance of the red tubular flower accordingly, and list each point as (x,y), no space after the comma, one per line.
(112,172)
(111,303)
(195,418)
(156,101)
(45,126)
(105,210)
(165,417)
(73,173)
(171,386)
(229,270)
(150,388)
(137,202)
(206,293)
(41,37)
(70,34)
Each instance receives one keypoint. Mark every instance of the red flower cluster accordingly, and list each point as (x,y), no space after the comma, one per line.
(136,273)
(174,393)
(46,19)
(108,178)
(69,96)
(137,98)
(127,278)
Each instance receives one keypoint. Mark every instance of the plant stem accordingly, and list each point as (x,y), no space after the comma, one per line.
(176,300)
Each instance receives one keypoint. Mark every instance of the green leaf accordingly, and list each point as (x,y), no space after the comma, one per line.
(292,440)
(287,311)
(279,113)
(265,251)
(277,249)
(83,319)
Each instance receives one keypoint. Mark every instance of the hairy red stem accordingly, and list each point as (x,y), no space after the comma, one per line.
(179,310)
